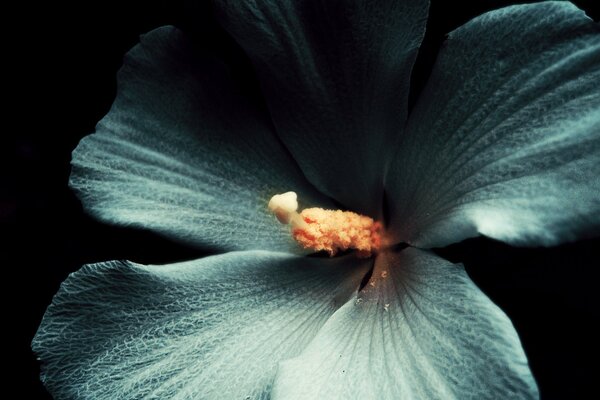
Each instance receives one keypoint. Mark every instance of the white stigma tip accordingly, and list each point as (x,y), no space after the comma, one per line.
(284,206)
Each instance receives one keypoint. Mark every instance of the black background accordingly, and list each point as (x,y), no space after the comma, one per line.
(63,60)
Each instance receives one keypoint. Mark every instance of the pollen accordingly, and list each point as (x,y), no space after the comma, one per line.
(327,230)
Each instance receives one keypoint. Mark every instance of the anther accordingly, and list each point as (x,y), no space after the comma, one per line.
(327,230)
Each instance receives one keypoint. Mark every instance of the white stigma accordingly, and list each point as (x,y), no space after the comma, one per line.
(284,206)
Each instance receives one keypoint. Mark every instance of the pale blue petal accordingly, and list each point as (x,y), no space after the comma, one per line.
(419,330)
(505,139)
(184,153)
(336,78)
(213,328)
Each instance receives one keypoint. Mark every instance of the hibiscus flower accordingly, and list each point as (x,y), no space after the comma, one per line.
(504,141)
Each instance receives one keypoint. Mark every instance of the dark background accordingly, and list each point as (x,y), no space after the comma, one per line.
(63,61)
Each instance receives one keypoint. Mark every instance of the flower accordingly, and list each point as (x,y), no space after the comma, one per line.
(504,141)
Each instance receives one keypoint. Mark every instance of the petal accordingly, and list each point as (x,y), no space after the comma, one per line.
(211,328)
(336,77)
(419,330)
(184,153)
(505,139)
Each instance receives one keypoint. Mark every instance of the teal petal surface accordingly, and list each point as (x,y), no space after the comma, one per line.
(505,138)
(213,328)
(420,329)
(336,77)
(184,153)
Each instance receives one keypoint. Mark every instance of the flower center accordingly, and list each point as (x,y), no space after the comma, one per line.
(328,230)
